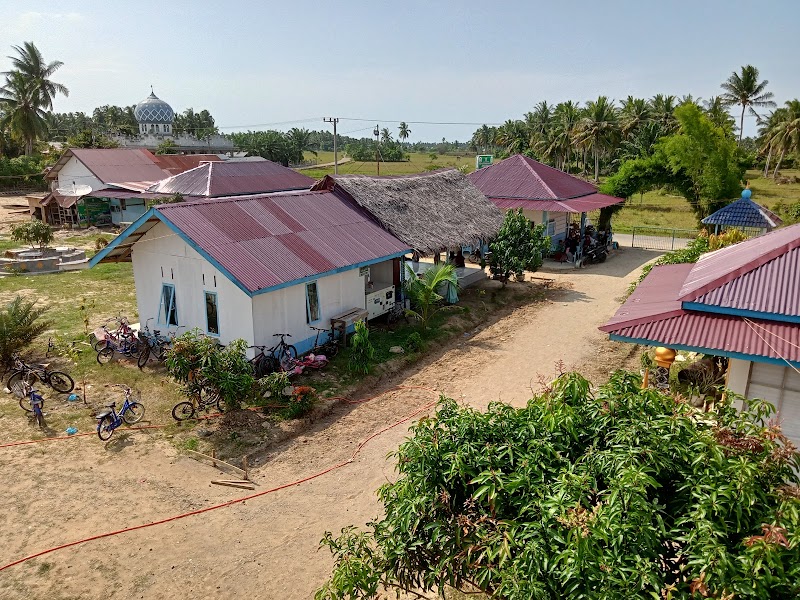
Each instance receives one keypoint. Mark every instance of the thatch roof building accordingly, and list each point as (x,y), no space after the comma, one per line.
(430,212)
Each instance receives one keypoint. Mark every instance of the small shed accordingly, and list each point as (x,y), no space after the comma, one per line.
(431,212)
(745,215)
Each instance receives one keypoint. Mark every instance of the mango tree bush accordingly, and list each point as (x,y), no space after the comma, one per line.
(197,361)
(518,247)
(621,493)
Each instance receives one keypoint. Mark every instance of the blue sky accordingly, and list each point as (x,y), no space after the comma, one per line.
(261,63)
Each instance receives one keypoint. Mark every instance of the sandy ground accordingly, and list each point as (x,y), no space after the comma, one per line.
(10,207)
(267,547)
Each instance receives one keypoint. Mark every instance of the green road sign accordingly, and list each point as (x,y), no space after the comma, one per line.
(483,160)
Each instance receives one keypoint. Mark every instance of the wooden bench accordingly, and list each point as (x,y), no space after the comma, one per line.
(342,321)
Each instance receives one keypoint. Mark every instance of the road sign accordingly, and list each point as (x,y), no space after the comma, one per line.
(483,160)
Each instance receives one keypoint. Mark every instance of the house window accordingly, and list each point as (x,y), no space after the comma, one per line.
(212,316)
(551,227)
(312,302)
(168,310)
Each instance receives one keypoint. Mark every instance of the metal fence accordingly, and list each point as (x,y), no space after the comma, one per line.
(657,238)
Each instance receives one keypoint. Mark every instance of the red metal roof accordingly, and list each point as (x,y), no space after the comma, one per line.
(119,164)
(723,266)
(772,288)
(588,203)
(657,313)
(270,240)
(233,179)
(175,164)
(522,178)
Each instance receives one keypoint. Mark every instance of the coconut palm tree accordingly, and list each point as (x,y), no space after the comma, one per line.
(598,128)
(513,137)
(23,113)
(784,133)
(566,117)
(745,89)
(662,108)
(386,135)
(404,131)
(30,63)
(715,110)
(633,113)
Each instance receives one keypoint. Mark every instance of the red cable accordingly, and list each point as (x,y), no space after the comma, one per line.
(245,498)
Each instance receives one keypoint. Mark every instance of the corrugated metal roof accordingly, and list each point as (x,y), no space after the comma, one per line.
(175,164)
(718,268)
(220,179)
(772,288)
(120,164)
(744,213)
(725,334)
(575,205)
(520,177)
(249,238)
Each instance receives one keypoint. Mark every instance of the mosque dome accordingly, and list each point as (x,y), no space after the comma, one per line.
(153,110)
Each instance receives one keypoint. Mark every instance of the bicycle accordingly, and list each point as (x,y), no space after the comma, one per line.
(131,412)
(283,350)
(203,399)
(128,345)
(153,344)
(330,347)
(262,364)
(102,334)
(30,374)
(32,402)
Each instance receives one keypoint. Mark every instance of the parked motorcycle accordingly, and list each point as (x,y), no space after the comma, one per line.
(596,253)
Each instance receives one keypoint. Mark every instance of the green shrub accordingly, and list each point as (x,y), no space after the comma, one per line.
(20,324)
(33,232)
(362,352)
(415,343)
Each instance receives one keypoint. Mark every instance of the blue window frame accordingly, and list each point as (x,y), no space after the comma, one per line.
(168,309)
(212,313)
(312,302)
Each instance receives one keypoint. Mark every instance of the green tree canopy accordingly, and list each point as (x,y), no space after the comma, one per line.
(620,493)
(700,161)
(519,246)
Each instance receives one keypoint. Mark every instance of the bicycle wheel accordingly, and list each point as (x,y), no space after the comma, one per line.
(134,413)
(330,349)
(144,356)
(25,404)
(105,427)
(182,411)
(99,345)
(60,382)
(282,353)
(17,381)
(105,355)
(220,404)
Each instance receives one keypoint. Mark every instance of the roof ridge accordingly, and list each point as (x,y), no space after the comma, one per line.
(738,269)
(210,166)
(243,197)
(525,160)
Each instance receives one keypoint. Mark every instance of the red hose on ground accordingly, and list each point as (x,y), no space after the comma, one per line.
(244,498)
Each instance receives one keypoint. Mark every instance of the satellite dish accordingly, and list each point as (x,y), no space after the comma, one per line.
(74,190)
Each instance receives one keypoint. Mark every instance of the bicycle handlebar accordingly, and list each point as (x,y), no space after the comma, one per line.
(283,334)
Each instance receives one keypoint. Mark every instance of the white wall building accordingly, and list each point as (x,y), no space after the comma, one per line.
(256,266)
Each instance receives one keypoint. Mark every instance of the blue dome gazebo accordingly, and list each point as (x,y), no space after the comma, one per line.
(744,214)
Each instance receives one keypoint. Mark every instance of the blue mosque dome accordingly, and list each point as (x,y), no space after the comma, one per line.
(154,110)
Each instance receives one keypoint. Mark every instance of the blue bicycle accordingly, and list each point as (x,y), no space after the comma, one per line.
(131,412)
(30,401)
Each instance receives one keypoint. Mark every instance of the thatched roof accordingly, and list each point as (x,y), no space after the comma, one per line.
(430,211)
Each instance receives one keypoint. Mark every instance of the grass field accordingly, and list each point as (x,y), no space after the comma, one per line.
(660,209)
(417,163)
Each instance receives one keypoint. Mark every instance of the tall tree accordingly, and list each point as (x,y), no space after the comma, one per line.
(386,135)
(22,111)
(31,64)
(715,110)
(746,90)
(633,113)
(784,132)
(300,141)
(598,128)
(404,131)
(662,108)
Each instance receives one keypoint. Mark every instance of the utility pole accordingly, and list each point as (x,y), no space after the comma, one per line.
(377,133)
(334,120)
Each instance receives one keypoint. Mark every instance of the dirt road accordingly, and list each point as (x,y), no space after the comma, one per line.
(266,547)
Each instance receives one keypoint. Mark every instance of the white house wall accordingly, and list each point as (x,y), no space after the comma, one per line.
(75,171)
(161,256)
(284,310)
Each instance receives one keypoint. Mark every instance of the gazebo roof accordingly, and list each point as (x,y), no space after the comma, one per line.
(744,213)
